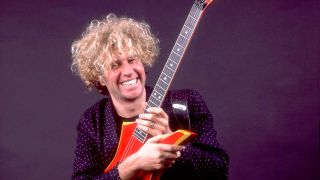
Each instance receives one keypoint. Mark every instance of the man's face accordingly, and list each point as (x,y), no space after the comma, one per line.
(126,78)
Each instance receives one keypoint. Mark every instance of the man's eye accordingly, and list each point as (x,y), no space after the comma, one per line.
(130,60)
(114,65)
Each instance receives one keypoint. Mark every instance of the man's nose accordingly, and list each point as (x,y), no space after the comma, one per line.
(127,69)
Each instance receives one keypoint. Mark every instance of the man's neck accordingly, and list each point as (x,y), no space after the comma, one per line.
(129,108)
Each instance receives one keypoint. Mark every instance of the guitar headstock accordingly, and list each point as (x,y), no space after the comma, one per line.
(202,4)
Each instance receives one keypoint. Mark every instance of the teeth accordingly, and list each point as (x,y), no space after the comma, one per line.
(129,83)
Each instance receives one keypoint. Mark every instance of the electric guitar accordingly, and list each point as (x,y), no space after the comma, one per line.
(133,138)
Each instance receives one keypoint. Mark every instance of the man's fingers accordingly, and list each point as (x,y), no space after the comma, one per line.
(155,110)
(146,116)
(155,139)
(166,147)
(153,117)
(145,123)
(171,155)
(155,130)
(171,148)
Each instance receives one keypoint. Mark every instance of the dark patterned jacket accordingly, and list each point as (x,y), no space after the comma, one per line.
(98,136)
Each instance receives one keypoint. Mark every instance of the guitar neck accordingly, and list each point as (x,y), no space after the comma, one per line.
(175,57)
(173,61)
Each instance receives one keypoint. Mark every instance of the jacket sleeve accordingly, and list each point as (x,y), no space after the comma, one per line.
(89,163)
(203,158)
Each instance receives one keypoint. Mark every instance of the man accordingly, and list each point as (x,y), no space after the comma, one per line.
(112,56)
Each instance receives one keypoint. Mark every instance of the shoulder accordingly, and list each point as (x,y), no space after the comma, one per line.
(95,113)
(96,107)
(93,117)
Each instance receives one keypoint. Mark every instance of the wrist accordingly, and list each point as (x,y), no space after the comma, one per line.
(128,168)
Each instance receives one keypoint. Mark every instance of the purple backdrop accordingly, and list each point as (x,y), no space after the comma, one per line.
(255,62)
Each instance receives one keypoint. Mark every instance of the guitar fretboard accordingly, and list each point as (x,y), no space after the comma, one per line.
(160,89)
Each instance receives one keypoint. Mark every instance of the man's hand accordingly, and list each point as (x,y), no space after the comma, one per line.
(155,122)
(150,157)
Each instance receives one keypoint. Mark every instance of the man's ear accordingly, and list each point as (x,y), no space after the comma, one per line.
(102,81)
(101,87)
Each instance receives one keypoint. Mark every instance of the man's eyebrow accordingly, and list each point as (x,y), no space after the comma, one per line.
(116,61)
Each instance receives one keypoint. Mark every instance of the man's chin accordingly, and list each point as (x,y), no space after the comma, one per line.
(131,96)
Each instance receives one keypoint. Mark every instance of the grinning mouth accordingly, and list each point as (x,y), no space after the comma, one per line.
(129,83)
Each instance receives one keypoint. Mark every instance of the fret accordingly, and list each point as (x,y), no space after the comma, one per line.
(197,14)
(184,26)
(156,93)
(157,96)
(139,137)
(168,71)
(177,54)
(148,106)
(192,18)
(154,104)
(172,65)
(182,41)
(190,23)
(162,84)
(186,32)
(155,101)
(178,49)
(174,58)
(200,4)
(171,61)
(165,78)
(171,68)
(139,134)
(183,36)
(165,74)
(194,12)
(178,44)
(160,89)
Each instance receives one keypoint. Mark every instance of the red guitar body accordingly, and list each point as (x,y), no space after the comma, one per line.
(129,145)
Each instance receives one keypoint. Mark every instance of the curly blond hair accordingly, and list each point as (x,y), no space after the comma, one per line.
(95,51)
